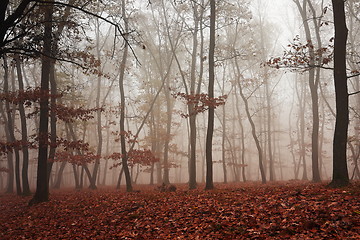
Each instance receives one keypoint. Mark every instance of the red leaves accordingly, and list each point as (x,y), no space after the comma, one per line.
(25,96)
(70,114)
(88,157)
(302,56)
(143,157)
(200,102)
(242,211)
(66,149)
(7,147)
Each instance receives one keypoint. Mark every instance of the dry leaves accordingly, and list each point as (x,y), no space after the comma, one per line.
(234,211)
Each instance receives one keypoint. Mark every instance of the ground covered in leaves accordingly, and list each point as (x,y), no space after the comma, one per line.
(234,211)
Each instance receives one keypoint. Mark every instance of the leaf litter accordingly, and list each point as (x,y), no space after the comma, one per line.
(288,210)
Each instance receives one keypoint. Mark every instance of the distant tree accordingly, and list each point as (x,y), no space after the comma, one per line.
(24,129)
(314,78)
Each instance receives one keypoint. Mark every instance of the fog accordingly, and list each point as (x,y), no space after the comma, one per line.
(138,75)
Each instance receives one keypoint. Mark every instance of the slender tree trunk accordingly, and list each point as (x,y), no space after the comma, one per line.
(24,136)
(301,137)
(59,175)
(292,141)
(267,111)
(353,26)
(98,115)
(253,128)
(242,136)
(11,115)
(42,186)
(9,155)
(107,153)
(313,83)
(122,106)
(223,141)
(169,107)
(53,86)
(53,118)
(340,170)
(210,128)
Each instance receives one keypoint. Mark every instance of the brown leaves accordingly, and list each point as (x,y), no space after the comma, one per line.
(302,56)
(143,157)
(200,102)
(238,211)
(64,156)
(70,114)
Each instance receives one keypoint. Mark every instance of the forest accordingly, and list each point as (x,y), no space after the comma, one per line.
(190,119)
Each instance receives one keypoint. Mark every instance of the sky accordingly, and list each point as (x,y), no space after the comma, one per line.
(282,14)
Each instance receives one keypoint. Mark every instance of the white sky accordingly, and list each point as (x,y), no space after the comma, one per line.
(281,13)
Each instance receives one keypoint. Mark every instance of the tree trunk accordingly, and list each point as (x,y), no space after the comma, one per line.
(24,136)
(122,106)
(169,108)
(340,170)
(59,175)
(9,155)
(253,128)
(313,84)
(42,184)
(53,118)
(210,128)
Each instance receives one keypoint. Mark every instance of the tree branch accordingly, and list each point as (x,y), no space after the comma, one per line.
(117,26)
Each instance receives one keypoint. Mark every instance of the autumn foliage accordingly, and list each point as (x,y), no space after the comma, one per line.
(241,211)
(201,102)
(143,157)
(298,56)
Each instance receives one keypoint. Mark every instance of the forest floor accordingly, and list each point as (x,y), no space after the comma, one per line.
(291,210)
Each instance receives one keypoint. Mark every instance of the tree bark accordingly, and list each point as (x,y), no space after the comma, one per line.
(7,121)
(210,128)
(122,107)
(340,170)
(42,184)
(313,84)
(24,136)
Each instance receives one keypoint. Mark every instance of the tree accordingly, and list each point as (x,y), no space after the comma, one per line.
(192,89)
(42,184)
(340,171)
(8,21)
(313,83)
(24,135)
(210,127)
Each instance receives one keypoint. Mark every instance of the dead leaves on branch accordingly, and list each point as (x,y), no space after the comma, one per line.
(143,157)
(243,211)
(199,102)
(303,56)
(32,96)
